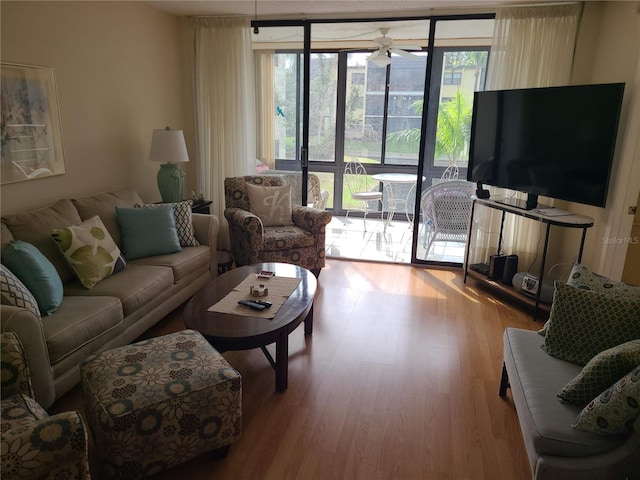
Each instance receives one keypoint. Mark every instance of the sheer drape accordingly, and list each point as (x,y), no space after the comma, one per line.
(265,105)
(225,108)
(532,47)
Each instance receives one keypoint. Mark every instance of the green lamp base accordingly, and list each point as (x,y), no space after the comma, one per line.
(170,182)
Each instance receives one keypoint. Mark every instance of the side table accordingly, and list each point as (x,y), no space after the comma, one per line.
(201,207)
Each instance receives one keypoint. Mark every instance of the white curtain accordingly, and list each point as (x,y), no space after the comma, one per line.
(225,108)
(265,102)
(532,47)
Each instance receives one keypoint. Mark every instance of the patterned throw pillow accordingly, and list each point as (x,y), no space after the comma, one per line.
(601,371)
(271,204)
(581,277)
(584,323)
(614,411)
(184,221)
(90,251)
(13,292)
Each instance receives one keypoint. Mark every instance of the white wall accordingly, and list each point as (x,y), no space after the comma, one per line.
(608,50)
(119,74)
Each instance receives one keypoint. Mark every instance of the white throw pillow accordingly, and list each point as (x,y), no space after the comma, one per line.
(271,204)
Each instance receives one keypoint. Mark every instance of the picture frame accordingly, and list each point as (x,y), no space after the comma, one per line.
(30,131)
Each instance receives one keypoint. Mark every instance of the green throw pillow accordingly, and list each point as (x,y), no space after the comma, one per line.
(184,221)
(148,231)
(14,292)
(37,273)
(615,410)
(90,251)
(584,323)
(601,372)
(583,278)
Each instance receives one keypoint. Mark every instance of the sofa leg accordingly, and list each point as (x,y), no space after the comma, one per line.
(221,453)
(504,382)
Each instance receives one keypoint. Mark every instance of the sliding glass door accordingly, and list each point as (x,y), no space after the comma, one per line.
(392,94)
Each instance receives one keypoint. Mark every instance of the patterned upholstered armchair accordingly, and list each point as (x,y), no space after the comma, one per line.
(34,444)
(301,243)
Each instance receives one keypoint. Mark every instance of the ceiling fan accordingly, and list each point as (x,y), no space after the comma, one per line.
(386,44)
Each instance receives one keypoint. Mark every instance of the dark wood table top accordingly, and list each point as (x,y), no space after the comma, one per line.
(240,332)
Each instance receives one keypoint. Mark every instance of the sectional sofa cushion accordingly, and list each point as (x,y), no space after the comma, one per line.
(535,378)
(35,228)
(583,323)
(81,323)
(614,411)
(139,287)
(90,251)
(36,272)
(13,292)
(148,231)
(601,372)
(104,205)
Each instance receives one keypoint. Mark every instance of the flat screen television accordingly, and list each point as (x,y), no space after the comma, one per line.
(554,141)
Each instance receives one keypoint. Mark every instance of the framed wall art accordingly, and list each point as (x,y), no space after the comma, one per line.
(31,136)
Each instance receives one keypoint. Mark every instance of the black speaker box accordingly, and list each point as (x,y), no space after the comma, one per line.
(496,266)
(510,269)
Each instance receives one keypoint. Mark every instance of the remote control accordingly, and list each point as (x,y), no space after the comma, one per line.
(264,303)
(251,305)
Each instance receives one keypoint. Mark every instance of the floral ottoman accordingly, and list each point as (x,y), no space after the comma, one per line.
(160,402)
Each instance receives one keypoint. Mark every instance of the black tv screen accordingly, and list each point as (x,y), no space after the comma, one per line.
(555,141)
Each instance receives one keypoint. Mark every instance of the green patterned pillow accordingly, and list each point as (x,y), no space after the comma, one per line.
(583,278)
(601,371)
(90,251)
(584,323)
(615,410)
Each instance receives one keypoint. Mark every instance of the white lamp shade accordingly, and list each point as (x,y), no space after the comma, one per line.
(168,146)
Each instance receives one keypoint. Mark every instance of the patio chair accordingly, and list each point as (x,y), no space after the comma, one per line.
(446,209)
(361,189)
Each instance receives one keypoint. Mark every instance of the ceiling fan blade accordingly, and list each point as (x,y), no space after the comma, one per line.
(404,54)
(407,46)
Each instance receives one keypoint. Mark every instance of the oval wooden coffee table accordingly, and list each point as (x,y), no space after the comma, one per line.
(243,332)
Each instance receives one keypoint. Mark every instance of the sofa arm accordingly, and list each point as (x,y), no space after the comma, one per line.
(15,378)
(246,234)
(28,329)
(311,219)
(39,446)
(205,229)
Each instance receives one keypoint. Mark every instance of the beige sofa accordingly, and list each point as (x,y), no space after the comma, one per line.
(118,309)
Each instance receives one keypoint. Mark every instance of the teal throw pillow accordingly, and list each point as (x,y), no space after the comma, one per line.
(90,251)
(148,231)
(583,323)
(184,221)
(601,372)
(615,410)
(37,273)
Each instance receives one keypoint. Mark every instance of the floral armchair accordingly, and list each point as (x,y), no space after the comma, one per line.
(34,444)
(301,243)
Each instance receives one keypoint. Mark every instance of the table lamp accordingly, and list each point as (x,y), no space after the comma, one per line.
(168,146)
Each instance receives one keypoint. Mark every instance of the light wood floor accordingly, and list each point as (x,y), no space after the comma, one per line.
(399,381)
